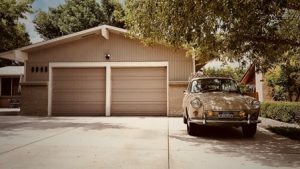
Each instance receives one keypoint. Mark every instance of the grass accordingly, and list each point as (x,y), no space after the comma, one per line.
(290,132)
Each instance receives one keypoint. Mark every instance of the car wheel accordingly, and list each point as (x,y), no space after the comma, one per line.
(184,120)
(249,130)
(191,128)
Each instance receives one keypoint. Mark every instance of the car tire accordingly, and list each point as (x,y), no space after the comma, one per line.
(249,131)
(184,120)
(191,128)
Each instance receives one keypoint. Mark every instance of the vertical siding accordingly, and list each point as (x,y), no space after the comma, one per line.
(121,49)
(34,100)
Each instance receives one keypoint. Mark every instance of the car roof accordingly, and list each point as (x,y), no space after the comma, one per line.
(211,77)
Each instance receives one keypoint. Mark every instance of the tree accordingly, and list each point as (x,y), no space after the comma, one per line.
(73,16)
(114,12)
(235,73)
(284,80)
(12,32)
(77,15)
(261,31)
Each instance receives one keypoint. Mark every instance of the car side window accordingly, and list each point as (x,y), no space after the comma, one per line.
(195,87)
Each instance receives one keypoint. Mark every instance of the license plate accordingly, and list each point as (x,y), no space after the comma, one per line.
(225,115)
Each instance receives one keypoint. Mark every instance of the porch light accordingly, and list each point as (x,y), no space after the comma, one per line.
(107,56)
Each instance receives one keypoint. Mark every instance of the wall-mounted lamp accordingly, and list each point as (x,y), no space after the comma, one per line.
(107,56)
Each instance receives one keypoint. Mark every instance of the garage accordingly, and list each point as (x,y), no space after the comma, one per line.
(78,91)
(139,91)
(102,72)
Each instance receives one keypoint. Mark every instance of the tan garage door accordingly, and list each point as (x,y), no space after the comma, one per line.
(78,91)
(139,91)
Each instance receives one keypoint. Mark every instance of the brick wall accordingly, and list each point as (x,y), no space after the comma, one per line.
(175,99)
(34,100)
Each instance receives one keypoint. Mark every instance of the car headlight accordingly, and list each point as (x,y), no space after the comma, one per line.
(196,103)
(255,104)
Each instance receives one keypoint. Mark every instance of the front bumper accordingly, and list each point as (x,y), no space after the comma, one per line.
(221,122)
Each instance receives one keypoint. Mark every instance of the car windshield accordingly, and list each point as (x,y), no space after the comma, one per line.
(214,85)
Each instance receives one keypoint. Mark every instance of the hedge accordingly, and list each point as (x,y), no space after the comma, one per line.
(282,111)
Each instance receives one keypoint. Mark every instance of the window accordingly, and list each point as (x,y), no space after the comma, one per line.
(5,86)
(10,86)
(214,85)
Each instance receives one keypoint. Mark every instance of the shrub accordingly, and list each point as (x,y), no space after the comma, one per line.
(282,111)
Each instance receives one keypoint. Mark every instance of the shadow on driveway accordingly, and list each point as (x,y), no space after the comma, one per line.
(10,128)
(266,148)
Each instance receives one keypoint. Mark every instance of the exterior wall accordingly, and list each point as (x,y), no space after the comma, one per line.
(94,49)
(5,101)
(175,98)
(267,91)
(34,100)
(259,86)
(121,49)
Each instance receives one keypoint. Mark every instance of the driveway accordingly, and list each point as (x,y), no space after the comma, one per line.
(135,142)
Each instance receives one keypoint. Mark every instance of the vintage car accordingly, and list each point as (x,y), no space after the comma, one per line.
(217,101)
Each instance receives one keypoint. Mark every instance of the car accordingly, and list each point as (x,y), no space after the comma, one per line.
(217,101)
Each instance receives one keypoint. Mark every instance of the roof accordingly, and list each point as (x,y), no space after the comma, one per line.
(20,54)
(200,75)
(248,75)
(12,71)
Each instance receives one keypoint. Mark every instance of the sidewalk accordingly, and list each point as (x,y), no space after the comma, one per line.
(266,122)
(9,111)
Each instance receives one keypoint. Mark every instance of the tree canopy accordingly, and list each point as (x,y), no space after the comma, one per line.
(77,15)
(262,31)
(284,80)
(114,13)
(12,32)
(235,73)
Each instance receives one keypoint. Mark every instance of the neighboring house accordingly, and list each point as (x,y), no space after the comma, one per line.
(256,83)
(102,72)
(10,92)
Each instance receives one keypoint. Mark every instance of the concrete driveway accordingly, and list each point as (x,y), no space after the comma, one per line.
(135,142)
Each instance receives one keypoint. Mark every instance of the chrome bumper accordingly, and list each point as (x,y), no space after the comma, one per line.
(206,121)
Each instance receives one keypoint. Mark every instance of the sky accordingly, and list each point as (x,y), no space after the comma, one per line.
(37,5)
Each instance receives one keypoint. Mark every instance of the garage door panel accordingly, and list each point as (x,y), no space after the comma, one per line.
(78,91)
(74,72)
(127,108)
(84,96)
(139,91)
(77,110)
(139,72)
(136,96)
(139,84)
(79,84)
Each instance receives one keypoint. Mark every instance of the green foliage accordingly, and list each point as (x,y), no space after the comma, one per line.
(261,31)
(114,12)
(285,81)
(235,73)
(12,33)
(282,111)
(77,15)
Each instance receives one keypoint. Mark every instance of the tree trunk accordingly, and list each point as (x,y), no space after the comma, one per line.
(290,96)
(298,96)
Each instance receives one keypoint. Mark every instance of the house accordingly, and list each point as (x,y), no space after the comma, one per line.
(255,81)
(102,72)
(10,77)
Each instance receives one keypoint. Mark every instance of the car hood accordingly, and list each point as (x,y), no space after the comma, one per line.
(220,101)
